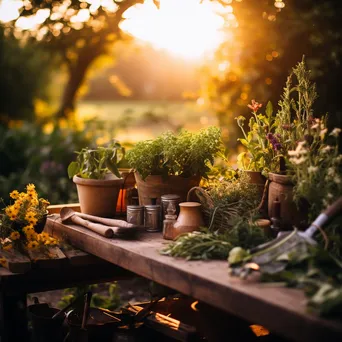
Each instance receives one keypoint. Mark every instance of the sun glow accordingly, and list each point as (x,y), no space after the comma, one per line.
(187,28)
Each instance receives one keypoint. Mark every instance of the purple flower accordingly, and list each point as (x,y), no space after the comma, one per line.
(276,145)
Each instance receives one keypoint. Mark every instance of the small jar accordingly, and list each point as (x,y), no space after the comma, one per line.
(153,218)
(166,200)
(169,221)
(135,214)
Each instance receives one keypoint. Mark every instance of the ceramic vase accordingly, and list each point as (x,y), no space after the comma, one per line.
(190,218)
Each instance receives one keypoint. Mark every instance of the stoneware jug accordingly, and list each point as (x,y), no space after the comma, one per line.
(190,218)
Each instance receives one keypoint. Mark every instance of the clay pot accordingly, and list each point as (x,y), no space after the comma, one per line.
(153,187)
(98,196)
(190,218)
(281,189)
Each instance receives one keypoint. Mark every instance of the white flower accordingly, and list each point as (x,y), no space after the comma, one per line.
(300,150)
(326,149)
(337,180)
(335,132)
(323,132)
(329,195)
(298,161)
(338,159)
(331,172)
(312,169)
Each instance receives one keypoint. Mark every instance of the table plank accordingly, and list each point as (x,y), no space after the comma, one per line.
(281,310)
(15,261)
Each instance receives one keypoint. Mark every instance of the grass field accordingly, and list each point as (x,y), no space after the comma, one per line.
(138,120)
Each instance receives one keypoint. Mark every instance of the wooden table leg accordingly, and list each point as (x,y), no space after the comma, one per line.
(13,318)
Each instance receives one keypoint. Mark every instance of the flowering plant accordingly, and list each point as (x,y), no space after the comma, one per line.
(19,220)
(270,136)
(262,145)
(317,165)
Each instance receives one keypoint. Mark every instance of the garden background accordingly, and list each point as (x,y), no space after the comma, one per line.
(79,73)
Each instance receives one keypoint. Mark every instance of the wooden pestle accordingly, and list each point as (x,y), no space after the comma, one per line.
(69,214)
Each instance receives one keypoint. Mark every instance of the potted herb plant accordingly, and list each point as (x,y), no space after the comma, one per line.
(173,163)
(96,175)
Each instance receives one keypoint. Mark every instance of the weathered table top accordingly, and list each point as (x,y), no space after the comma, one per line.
(282,310)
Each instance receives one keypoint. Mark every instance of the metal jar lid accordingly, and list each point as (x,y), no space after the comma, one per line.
(170,197)
(135,207)
(152,207)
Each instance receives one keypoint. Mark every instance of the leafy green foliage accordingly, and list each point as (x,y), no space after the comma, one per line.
(260,156)
(319,274)
(24,71)
(214,245)
(185,154)
(96,163)
(111,301)
(31,154)
(227,197)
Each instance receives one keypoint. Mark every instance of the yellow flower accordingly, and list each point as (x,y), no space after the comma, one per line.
(51,241)
(28,228)
(15,236)
(8,247)
(9,210)
(16,206)
(34,202)
(14,194)
(32,245)
(30,187)
(44,202)
(2,261)
(31,235)
(13,216)
(30,215)
(32,221)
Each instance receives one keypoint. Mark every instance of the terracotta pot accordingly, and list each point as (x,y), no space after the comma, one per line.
(98,196)
(153,187)
(281,188)
(190,218)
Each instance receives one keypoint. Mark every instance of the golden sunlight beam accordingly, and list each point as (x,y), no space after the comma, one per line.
(187,28)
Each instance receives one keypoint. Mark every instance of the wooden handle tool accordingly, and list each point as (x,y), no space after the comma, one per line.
(69,214)
(107,221)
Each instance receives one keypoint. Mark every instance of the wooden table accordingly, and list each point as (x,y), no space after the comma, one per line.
(76,268)
(281,310)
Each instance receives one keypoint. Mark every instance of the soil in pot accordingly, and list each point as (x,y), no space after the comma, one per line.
(99,196)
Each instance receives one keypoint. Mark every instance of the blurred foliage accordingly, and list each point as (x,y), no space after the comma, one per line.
(110,300)
(78,32)
(24,72)
(264,40)
(40,154)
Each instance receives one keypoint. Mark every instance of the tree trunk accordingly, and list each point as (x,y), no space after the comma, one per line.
(76,76)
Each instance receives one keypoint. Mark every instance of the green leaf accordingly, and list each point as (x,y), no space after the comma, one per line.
(269,109)
(244,142)
(112,166)
(73,169)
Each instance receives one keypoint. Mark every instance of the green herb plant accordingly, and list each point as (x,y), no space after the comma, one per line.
(184,154)
(96,163)
(226,197)
(205,244)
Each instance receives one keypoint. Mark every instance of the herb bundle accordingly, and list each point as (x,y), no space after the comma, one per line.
(206,245)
